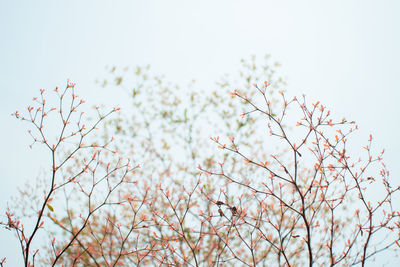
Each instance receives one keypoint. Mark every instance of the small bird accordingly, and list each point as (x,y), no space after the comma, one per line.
(234,210)
(221,213)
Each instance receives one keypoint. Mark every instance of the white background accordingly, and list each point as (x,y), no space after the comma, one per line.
(342,53)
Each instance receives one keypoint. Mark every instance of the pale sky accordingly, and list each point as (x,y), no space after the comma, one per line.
(342,53)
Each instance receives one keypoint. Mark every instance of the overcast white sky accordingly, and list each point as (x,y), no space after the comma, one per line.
(343,53)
